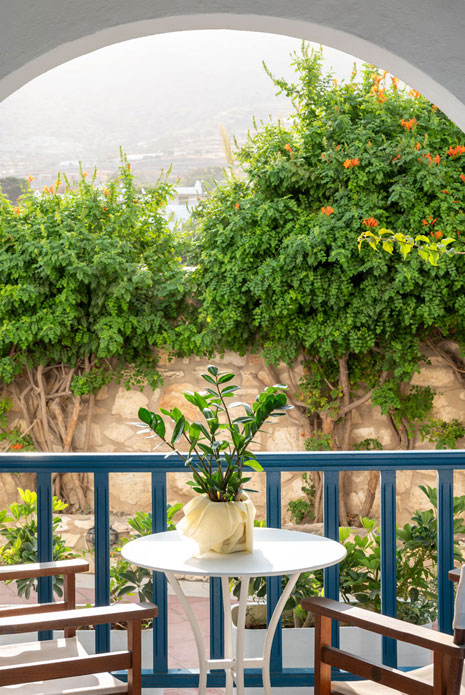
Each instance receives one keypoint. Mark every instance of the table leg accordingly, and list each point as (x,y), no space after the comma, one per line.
(272,629)
(240,635)
(228,633)
(195,629)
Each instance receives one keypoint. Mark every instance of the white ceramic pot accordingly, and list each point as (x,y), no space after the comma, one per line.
(224,527)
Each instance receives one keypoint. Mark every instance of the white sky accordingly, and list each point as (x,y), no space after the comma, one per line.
(139,90)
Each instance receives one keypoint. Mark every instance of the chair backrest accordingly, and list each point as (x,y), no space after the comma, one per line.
(459,614)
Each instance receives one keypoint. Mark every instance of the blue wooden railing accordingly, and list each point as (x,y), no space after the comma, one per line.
(331,463)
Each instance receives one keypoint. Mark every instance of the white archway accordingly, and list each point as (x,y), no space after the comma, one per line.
(421,43)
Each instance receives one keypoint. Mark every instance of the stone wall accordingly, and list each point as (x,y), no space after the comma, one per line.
(113,431)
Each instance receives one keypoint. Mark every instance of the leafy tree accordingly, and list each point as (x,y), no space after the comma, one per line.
(275,250)
(91,287)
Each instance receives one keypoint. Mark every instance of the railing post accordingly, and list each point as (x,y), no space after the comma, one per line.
(445,533)
(44,540)
(273,584)
(160,591)
(102,555)
(388,560)
(331,530)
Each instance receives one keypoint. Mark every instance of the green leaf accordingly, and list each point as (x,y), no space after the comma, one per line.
(229,390)
(254,465)
(226,377)
(211,369)
(208,378)
(178,430)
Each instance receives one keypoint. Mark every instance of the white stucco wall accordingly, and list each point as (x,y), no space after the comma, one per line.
(420,41)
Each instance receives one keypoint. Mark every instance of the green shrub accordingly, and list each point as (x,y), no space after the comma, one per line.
(18,526)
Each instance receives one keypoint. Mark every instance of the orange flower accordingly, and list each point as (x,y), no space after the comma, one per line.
(413,93)
(371,222)
(129,166)
(452,151)
(30,178)
(417,146)
(428,156)
(50,190)
(323,155)
(84,174)
(17,211)
(446,192)
(408,124)
(347,163)
(396,157)
(106,191)
(462,176)
(104,208)
(377,78)
(382,96)
(437,159)
(237,206)
(338,147)
(395,81)
(288,148)
(425,222)
(438,234)
(434,107)
(335,82)
(355,162)
(327,210)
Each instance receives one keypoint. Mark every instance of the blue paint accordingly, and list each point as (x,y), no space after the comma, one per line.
(388,560)
(216,619)
(331,530)
(293,461)
(160,590)
(445,548)
(102,555)
(273,584)
(44,540)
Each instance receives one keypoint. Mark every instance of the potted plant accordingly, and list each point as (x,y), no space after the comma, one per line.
(218,450)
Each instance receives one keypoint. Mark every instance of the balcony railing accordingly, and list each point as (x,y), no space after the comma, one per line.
(330,463)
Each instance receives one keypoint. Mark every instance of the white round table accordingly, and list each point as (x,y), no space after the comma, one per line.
(276,552)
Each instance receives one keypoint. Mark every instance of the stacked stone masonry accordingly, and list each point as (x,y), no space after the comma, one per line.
(113,431)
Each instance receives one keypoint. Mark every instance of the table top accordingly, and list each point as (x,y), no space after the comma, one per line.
(276,552)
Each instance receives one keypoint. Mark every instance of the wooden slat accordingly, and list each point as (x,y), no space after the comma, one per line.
(97,615)
(390,677)
(69,591)
(383,625)
(42,569)
(63,668)
(32,608)
(322,670)
(135,647)
(454,575)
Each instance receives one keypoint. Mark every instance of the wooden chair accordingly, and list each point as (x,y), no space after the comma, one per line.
(58,666)
(442,677)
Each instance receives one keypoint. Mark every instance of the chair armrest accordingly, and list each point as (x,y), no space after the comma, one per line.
(81,617)
(383,625)
(454,575)
(43,569)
